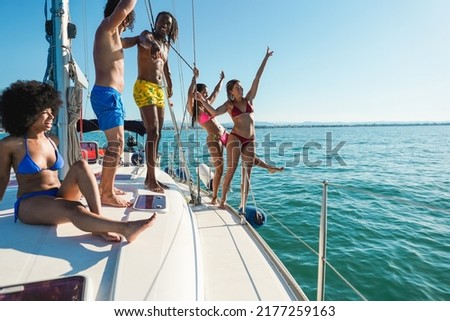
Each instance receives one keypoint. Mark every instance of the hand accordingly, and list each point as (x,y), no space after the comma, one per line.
(147,41)
(222,75)
(269,53)
(199,97)
(196,72)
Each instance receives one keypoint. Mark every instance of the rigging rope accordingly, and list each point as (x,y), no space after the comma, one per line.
(86,64)
(197,127)
(193,33)
(148,5)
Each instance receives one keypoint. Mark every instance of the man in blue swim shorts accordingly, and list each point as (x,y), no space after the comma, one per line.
(106,95)
(108,107)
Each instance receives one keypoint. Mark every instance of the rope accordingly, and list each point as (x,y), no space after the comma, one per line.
(355,190)
(295,236)
(148,6)
(193,34)
(197,134)
(250,189)
(345,281)
(86,64)
(362,190)
(392,198)
(182,58)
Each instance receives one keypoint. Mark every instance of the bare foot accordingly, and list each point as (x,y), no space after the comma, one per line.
(162,185)
(222,204)
(135,228)
(118,191)
(155,188)
(114,201)
(214,201)
(109,237)
(275,169)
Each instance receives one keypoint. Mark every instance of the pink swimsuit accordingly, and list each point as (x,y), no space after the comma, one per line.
(204,118)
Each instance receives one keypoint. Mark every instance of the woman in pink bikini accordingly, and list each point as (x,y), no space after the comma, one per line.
(241,140)
(217,135)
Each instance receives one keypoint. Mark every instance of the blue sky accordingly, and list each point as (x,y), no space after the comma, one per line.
(334,60)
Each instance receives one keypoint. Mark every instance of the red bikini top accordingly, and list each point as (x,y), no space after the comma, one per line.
(236,111)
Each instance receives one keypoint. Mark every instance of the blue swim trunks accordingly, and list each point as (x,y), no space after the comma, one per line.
(50,192)
(108,107)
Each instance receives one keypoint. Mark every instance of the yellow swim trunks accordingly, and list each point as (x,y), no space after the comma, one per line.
(146,93)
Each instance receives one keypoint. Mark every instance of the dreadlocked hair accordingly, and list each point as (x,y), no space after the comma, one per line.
(173,33)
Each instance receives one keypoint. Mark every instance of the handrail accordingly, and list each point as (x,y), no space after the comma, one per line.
(321,254)
(349,188)
(322,245)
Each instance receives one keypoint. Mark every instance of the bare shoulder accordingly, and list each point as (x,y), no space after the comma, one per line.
(9,143)
(10,139)
(145,33)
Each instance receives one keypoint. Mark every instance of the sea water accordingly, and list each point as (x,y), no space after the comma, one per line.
(388,207)
(388,204)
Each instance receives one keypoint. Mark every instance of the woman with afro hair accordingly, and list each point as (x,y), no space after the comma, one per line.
(28,109)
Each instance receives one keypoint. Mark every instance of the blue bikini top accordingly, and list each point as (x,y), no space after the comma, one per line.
(28,166)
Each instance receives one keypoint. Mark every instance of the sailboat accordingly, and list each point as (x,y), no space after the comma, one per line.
(195,252)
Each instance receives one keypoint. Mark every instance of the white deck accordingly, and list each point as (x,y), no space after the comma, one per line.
(197,253)
(238,265)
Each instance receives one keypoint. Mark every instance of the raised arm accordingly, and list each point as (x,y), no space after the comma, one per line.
(254,88)
(118,16)
(191,92)
(213,111)
(216,90)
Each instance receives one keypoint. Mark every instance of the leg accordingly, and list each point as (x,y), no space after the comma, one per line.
(216,151)
(150,118)
(115,137)
(272,169)
(233,154)
(248,159)
(81,181)
(160,111)
(47,210)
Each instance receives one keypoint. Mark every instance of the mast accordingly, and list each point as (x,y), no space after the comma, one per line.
(61,53)
(66,76)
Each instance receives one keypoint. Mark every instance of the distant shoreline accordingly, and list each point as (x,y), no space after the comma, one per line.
(352,125)
(322,125)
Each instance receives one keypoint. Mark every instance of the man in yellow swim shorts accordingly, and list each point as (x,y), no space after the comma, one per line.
(153,69)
